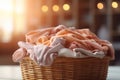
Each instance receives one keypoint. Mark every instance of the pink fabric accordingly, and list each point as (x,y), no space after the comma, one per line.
(43,45)
(19,54)
(42,54)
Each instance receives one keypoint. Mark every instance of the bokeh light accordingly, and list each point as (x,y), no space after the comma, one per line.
(55,8)
(100,5)
(44,8)
(66,7)
(114,4)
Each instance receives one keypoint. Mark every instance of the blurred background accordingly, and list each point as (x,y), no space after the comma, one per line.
(17,17)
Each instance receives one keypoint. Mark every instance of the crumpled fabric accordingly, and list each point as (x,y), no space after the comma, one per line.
(41,54)
(80,53)
(19,54)
(44,45)
(44,55)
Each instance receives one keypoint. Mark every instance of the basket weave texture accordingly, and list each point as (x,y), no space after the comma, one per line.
(66,69)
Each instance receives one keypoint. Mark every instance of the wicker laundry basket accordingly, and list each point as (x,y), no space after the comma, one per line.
(66,69)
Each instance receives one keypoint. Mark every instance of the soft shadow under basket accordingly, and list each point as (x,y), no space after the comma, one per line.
(66,69)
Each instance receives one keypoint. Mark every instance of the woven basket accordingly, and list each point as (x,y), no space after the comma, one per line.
(66,69)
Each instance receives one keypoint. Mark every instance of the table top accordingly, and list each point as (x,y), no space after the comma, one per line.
(10,72)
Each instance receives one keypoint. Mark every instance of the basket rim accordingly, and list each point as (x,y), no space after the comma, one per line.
(69,59)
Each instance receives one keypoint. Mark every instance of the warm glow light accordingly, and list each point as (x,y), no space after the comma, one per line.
(20,6)
(44,8)
(114,4)
(6,5)
(12,18)
(6,26)
(66,7)
(55,8)
(7,31)
(19,17)
(100,6)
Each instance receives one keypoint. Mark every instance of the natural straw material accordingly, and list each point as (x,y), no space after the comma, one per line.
(66,69)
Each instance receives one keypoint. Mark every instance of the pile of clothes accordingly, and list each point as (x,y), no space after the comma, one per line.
(44,45)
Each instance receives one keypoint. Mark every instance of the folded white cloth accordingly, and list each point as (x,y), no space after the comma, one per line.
(87,53)
(65,52)
(80,53)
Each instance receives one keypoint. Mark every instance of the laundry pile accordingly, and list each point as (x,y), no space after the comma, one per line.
(46,44)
